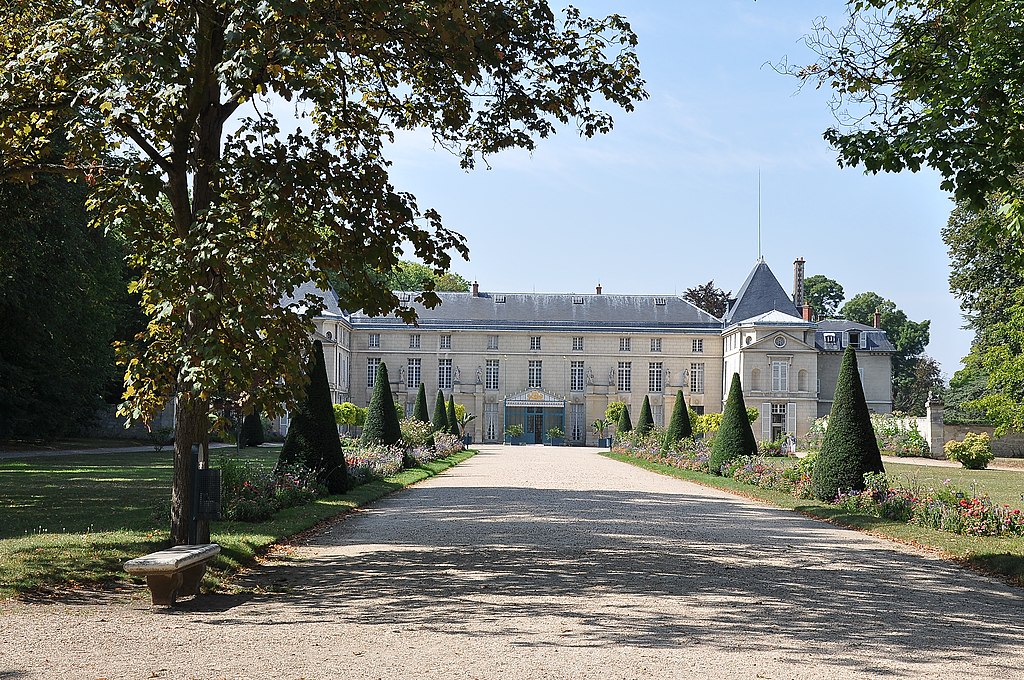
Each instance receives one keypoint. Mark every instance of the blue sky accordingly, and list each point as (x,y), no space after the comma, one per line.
(669,199)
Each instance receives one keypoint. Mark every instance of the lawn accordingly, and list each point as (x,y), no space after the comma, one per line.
(1003,556)
(1002,486)
(70,521)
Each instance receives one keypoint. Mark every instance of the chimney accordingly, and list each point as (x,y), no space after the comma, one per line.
(878,318)
(807,313)
(599,289)
(798,282)
(476,289)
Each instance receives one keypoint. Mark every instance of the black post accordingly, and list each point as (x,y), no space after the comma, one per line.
(193,523)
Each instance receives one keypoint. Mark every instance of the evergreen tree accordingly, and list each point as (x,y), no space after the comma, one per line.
(382,417)
(440,419)
(646,420)
(420,411)
(625,424)
(453,420)
(313,434)
(679,427)
(734,438)
(849,449)
(251,432)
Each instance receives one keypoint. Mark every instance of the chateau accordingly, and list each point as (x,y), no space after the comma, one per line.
(542,360)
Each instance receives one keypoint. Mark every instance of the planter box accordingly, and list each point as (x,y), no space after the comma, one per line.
(555,442)
(604,443)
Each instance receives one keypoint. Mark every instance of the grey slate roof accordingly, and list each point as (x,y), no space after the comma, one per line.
(524,311)
(329,298)
(760,293)
(877,339)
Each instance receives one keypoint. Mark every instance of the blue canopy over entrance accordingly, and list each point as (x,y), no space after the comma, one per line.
(537,412)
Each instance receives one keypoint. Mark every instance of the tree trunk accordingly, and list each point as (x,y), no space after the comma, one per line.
(191,424)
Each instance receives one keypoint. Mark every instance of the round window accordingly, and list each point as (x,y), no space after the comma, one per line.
(780,341)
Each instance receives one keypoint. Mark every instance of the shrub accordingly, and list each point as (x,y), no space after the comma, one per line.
(415,432)
(420,411)
(440,419)
(556,433)
(382,418)
(849,450)
(734,438)
(312,439)
(679,427)
(252,493)
(348,413)
(974,452)
(613,411)
(646,420)
(708,423)
(624,424)
(446,445)
(375,460)
(251,432)
(453,417)
(514,430)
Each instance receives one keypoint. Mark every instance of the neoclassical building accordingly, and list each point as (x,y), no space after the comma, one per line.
(543,360)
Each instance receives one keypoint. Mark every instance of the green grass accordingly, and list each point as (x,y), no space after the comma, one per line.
(74,520)
(1002,486)
(1002,556)
(68,444)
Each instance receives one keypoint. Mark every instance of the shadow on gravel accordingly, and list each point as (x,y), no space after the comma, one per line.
(681,569)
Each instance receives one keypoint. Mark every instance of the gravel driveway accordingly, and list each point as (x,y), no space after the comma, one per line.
(533,562)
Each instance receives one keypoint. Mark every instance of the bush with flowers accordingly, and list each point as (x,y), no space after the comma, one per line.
(897,434)
(251,492)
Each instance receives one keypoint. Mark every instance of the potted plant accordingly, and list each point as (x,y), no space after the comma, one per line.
(514,434)
(465,419)
(556,437)
(601,430)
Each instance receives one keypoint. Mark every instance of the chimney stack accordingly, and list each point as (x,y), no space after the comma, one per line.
(878,318)
(808,316)
(476,289)
(798,282)
(599,289)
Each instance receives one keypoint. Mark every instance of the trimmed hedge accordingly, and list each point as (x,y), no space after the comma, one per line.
(679,428)
(734,438)
(440,419)
(646,420)
(849,449)
(625,423)
(381,424)
(251,432)
(313,434)
(453,420)
(420,411)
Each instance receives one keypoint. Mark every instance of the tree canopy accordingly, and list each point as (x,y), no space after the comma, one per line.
(824,295)
(708,297)
(226,207)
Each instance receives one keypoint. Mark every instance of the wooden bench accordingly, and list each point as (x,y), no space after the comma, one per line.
(175,572)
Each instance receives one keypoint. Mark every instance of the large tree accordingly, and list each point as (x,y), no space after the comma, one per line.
(708,297)
(824,295)
(909,338)
(170,110)
(929,82)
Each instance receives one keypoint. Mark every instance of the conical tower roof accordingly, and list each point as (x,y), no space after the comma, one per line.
(760,293)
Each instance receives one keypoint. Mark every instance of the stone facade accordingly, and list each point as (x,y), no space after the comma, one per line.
(585,351)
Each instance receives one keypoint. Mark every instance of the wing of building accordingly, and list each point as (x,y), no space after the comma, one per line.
(544,360)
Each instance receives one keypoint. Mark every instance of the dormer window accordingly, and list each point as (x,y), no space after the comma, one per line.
(660,301)
(577,299)
(854,339)
(830,339)
(499,298)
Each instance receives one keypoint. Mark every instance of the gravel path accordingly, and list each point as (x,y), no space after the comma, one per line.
(532,562)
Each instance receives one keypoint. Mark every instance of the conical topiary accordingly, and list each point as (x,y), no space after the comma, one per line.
(646,420)
(734,438)
(440,419)
(849,449)
(313,434)
(679,427)
(625,423)
(251,432)
(381,424)
(453,419)
(420,411)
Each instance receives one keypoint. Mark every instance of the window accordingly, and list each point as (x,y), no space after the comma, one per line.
(830,339)
(414,341)
(415,369)
(373,341)
(491,377)
(577,299)
(659,415)
(780,376)
(446,342)
(698,345)
(534,374)
(655,373)
(660,301)
(624,344)
(577,422)
(577,344)
(491,422)
(444,374)
(576,380)
(697,378)
(500,299)
(535,342)
(492,342)
(655,344)
(854,339)
(329,336)
(371,371)
(625,376)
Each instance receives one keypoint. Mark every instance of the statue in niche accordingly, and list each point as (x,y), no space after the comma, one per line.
(458,374)
(401,374)
(611,376)
(590,375)
(479,375)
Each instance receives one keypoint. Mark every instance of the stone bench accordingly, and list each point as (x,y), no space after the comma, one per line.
(174,572)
